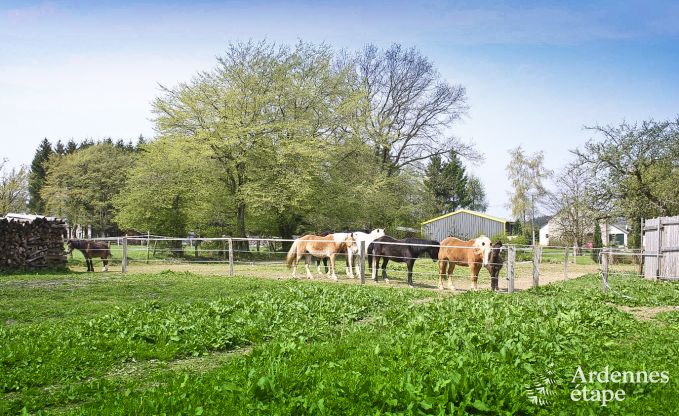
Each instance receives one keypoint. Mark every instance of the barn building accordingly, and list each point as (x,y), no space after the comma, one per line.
(464,224)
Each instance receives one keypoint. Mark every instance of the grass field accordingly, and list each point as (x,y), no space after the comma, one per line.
(180,343)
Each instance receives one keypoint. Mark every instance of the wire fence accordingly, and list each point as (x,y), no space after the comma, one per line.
(522,266)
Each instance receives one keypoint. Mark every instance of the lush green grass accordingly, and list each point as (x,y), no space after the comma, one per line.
(181,343)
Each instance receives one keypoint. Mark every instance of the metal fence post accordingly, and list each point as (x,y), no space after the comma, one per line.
(604,270)
(536,265)
(148,245)
(124,262)
(565,263)
(511,262)
(361,265)
(230,257)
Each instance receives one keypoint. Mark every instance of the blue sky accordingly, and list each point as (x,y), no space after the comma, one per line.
(535,72)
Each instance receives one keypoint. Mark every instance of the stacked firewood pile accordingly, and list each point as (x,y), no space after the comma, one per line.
(31,243)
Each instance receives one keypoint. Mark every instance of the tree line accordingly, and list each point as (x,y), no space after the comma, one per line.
(276,140)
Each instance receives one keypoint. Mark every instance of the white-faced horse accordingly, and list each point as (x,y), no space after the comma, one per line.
(472,254)
(358,237)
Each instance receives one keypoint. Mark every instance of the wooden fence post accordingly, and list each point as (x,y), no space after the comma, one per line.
(124,262)
(604,270)
(536,265)
(565,263)
(658,253)
(361,265)
(511,261)
(230,257)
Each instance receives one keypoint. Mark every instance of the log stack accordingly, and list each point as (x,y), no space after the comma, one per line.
(31,243)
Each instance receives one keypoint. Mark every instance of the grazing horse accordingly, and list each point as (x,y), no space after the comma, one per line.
(472,254)
(402,251)
(91,249)
(358,237)
(494,265)
(320,247)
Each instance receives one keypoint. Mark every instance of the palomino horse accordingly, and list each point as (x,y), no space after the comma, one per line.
(91,249)
(472,254)
(401,251)
(318,246)
(494,265)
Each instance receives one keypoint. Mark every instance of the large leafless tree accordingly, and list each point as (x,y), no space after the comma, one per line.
(411,109)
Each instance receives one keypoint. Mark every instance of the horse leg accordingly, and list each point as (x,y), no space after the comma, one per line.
(307,264)
(410,264)
(475,268)
(105,261)
(442,271)
(375,264)
(88,262)
(451,269)
(385,260)
(350,267)
(332,266)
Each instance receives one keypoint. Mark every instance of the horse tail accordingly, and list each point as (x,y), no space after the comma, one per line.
(292,253)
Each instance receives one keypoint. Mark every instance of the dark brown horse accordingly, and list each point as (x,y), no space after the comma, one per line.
(494,265)
(91,249)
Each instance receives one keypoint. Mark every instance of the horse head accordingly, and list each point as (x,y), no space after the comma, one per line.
(495,261)
(350,242)
(434,251)
(71,245)
(377,233)
(483,247)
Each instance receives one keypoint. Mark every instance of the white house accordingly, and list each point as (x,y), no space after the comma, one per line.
(614,234)
(611,234)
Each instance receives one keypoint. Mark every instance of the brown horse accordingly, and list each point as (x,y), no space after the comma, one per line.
(494,265)
(320,247)
(91,249)
(472,254)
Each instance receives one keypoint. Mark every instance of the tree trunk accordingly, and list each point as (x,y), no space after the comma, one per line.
(241,245)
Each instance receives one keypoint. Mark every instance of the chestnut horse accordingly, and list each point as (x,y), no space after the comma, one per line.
(320,247)
(91,249)
(473,254)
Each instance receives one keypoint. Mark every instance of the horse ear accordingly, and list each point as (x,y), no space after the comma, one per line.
(498,243)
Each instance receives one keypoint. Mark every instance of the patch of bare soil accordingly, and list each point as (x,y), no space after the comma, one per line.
(645,313)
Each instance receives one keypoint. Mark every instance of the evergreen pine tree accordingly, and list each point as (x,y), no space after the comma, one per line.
(597,243)
(36,179)
(59,148)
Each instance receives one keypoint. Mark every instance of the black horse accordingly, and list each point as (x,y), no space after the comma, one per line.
(495,261)
(91,249)
(405,251)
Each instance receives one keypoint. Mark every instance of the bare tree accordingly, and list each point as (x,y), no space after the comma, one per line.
(572,204)
(410,108)
(526,174)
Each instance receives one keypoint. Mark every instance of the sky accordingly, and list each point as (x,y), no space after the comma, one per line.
(536,73)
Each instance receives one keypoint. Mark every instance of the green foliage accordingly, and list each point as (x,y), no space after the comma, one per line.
(81,186)
(636,168)
(155,344)
(447,182)
(172,189)
(13,189)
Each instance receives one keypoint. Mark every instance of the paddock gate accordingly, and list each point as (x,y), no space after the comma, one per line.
(661,248)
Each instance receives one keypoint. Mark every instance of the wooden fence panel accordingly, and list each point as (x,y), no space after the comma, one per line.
(661,248)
